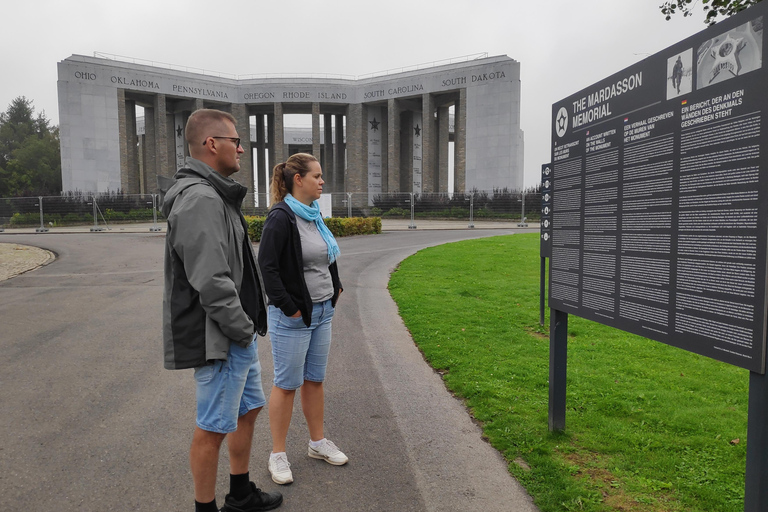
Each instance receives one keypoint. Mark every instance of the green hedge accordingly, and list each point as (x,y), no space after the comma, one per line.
(338,226)
(56,219)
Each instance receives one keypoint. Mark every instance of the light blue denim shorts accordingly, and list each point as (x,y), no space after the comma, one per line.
(228,389)
(300,353)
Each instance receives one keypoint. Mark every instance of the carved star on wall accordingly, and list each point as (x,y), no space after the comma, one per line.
(726,56)
(417,130)
(375,124)
(178,131)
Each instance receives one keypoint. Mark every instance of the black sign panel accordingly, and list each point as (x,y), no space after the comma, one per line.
(660,196)
(546,211)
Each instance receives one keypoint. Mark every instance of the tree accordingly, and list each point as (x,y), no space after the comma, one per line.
(30,154)
(713,8)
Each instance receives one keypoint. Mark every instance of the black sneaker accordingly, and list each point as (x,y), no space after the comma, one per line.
(257,501)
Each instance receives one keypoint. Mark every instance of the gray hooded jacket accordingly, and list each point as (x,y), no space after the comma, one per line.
(204,267)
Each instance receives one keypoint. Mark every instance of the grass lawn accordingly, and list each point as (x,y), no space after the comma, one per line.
(649,427)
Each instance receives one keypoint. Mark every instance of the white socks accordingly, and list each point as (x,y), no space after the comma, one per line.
(316,444)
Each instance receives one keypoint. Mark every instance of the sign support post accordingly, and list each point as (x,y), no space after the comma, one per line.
(542,288)
(558,362)
(756,478)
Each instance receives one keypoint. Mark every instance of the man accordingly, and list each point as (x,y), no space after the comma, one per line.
(677,74)
(213,305)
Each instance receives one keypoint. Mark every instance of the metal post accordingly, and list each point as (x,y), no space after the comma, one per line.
(349,205)
(471,210)
(154,227)
(523,224)
(756,478)
(95,217)
(542,289)
(42,228)
(558,362)
(412,224)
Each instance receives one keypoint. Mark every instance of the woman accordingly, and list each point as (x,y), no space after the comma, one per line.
(297,257)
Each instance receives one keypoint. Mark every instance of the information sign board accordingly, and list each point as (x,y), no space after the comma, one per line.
(660,196)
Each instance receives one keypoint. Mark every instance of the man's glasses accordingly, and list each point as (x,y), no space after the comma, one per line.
(236,140)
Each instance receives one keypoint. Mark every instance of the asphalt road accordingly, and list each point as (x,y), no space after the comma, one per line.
(90,421)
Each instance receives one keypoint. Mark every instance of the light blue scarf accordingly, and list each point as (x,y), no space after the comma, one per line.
(312,213)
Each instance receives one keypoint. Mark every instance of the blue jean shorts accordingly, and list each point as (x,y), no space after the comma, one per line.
(228,389)
(300,353)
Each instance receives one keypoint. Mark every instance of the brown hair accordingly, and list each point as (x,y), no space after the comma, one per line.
(282,175)
(200,121)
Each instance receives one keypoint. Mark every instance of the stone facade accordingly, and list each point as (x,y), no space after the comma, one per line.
(98,99)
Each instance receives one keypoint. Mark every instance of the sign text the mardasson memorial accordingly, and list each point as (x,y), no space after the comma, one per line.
(596,105)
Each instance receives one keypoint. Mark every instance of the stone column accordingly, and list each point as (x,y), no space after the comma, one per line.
(460,143)
(428,149)
(198,103)
(170,141)
(385,186)
(271,156)
(245,176)
(356,179)
(130,180)
(261,164)
(163,165)
(442,149)
(316,131)
(328,152)
(137,179)
(150,147)
(148,186)
(277,134)
(393,147)
(339,159)
(406,152)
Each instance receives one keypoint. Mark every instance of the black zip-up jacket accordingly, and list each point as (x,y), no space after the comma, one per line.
(282,266)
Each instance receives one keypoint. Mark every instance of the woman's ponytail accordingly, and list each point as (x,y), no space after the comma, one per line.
(279,189)
(282,175)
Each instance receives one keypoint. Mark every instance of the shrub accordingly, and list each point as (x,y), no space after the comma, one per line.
(255,226)
(396,212)
(25,219)
(76,218)
(337,225)
(354,226)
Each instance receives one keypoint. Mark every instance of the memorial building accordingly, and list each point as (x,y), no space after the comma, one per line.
(380,134)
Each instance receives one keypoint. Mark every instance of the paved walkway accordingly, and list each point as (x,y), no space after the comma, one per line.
(16,259)
(92,422)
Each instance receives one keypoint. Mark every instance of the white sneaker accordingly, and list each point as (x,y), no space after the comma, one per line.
(280,469)
(329,453)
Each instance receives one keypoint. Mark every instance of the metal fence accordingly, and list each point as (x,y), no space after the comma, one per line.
(100,211)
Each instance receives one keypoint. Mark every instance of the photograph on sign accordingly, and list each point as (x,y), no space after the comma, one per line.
(731,54)
(680,74)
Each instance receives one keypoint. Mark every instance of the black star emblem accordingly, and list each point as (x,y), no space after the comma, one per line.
(417,130)
(178,131)
(374,124)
